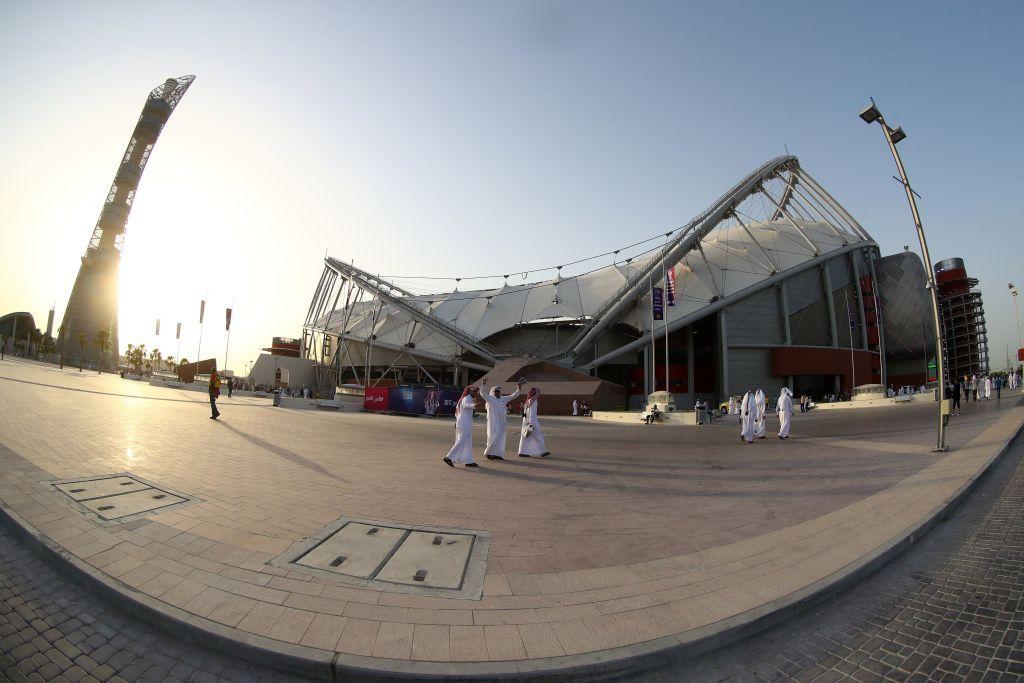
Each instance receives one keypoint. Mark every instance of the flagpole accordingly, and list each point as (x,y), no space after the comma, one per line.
(199,349)
(228,344)
(664,317)
(654,362)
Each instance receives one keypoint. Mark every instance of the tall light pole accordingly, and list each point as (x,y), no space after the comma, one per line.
(892,137)
(1016,305)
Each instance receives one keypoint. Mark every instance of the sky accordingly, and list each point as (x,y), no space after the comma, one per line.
(458,139)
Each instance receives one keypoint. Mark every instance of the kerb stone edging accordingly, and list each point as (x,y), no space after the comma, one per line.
(329,666)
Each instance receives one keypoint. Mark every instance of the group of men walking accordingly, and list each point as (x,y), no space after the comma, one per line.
(752,409)
(531,439)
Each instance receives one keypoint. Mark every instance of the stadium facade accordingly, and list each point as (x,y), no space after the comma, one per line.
(775,284)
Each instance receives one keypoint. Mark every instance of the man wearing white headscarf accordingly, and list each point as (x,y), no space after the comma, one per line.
(732,405)
(531,441)
(988,387)
(759,418)
(497,408)
(748,412)
(785,410)
(462,451)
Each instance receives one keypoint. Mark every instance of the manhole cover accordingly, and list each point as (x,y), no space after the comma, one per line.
(390,557)
(440,565)
(114,497)
(357,550)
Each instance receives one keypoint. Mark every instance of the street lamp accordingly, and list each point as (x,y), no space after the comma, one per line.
(893,136)
(1016,305)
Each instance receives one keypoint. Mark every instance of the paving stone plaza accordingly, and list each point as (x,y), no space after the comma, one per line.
(135,527)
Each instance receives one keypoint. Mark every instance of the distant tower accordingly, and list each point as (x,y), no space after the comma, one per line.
(93,303)
(964,333)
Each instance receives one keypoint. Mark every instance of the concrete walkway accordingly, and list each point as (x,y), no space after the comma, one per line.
(626,545)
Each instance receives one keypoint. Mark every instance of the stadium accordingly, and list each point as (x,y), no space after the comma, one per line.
(775,284)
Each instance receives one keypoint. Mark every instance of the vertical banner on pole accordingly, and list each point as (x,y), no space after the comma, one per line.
(657,304)
(227,327)
(202,312)
(158,327)
(670,286)
(177,335)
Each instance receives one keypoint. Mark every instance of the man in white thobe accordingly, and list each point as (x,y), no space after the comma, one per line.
(988,388)
(531,440)
(575,408)
(462,451)
(759,418)
(732,405)
(497,410)
(748,412)
(785,410)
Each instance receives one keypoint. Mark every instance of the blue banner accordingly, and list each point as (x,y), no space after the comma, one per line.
(657,303)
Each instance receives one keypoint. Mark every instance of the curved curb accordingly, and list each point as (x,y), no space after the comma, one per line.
(630,659)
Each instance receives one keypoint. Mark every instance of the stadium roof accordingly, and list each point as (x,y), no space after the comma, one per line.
(776,221)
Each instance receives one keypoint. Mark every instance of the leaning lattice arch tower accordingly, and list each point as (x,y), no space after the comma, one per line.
(93,303)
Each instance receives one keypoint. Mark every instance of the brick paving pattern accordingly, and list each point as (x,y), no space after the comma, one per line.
(51,630)
(628,535)
(948,610)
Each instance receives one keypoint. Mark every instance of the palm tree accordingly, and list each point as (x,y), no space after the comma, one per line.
(102,342)
(170,363)
(155,356)
(35,340)
(140,357)
(80,338)
(183,361)
(47,346)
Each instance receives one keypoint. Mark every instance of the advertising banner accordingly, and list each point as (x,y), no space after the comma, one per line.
(448,399)
(375,399)
(407,400)
(656,303)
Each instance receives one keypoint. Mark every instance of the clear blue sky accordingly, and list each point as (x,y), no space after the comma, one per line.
(465,138)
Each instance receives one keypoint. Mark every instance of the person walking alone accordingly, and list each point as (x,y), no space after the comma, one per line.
(231,385)
(784,408)
(214,389)
(955,395)
(462,451)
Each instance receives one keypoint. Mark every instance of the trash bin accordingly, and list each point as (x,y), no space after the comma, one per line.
(277,399)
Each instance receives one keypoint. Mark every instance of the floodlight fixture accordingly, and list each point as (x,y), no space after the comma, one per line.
(871,114)
(892,136)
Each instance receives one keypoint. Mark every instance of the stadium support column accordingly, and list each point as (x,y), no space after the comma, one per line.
(787,331)
(723,357)
(647,372)
(690,391)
